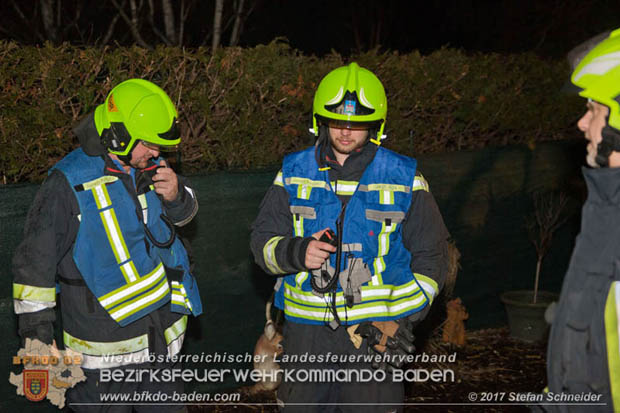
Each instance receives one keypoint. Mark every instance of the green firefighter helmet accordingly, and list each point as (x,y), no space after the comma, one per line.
(350,97)
(137,110)
(597,75)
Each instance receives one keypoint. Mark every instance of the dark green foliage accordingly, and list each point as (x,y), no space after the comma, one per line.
(246,108)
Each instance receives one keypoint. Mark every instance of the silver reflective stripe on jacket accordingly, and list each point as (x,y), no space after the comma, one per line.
(100,355)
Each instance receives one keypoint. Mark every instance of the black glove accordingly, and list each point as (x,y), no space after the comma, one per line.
(394,339)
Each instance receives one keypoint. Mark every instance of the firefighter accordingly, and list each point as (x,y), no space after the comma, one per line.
(584,354)
(103,228)
(357,242)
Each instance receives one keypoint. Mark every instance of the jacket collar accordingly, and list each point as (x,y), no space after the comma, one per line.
(603,185)
(89,138)
(354,166)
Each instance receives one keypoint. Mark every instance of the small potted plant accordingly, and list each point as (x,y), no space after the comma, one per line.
(526,308)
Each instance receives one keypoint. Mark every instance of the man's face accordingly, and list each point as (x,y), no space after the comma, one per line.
(141,155)
(344,140)
(592,124)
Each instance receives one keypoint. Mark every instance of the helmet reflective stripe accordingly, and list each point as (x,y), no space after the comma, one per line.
(336,98)
(598,66)
(365,101)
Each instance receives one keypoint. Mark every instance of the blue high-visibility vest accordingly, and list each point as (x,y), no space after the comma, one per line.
(371,239)
(128,278)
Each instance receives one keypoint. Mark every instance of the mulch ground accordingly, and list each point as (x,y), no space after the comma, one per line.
(490,363)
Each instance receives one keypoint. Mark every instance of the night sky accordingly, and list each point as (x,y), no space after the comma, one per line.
(549,27)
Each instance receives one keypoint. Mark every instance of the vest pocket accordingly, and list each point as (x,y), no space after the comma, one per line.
(386,224)
(387,217)
(301,213)
(304,211)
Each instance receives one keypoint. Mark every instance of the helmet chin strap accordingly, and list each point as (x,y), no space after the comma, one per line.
(609,143)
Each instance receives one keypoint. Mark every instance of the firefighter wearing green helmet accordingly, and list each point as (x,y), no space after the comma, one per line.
(584,348)
(103,229)
(358,246)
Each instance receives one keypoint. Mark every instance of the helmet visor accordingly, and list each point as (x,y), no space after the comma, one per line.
(160,148)
(344,124)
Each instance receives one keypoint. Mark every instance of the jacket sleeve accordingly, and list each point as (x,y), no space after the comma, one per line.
(275,248)
(426,238)
(49,232)
(184,208)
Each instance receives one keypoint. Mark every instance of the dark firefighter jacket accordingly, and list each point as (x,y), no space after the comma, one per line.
(422,231)
(44,262)
(584,353)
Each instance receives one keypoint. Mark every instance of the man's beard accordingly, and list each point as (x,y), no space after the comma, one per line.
(346,150)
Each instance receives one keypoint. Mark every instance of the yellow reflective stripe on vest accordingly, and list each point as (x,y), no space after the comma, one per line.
(304,191)
(379,266)
(386,197)
(368,292)
(389,301)
(307,182)
(129,308)
(175,330)
(298,225)
(344,187)
(134,288)
(99,182)
(129,271)
(106,348)
(112,229)
(428,284)
(386,191)
(300,278)
(31,293)
(305,186)
(419,183)
(388,187)
(188,304)
(382,250)
(144,205)
(384,237)
(269,255)
(102,197)
(142,199)
(612,335)
(179,295)
(278,179)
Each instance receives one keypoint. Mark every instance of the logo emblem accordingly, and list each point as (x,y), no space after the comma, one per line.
(111,105)
(349,107)
(35,384)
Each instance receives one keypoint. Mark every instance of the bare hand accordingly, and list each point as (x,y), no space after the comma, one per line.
(317,251)
(166,182)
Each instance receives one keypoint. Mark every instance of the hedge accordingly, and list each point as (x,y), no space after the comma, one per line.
(246,108)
